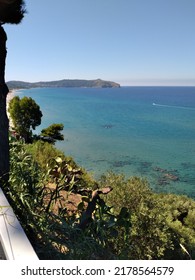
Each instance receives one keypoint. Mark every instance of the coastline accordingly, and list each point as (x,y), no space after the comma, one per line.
(122,131)
(10,96)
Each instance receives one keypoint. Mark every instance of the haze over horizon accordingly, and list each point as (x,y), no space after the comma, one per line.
(131,42)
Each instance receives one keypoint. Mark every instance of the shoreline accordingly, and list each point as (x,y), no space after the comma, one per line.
(11,94)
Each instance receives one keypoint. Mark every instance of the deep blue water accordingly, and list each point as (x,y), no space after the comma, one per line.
(138,131)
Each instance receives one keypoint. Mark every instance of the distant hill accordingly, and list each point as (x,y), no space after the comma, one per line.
(63,83)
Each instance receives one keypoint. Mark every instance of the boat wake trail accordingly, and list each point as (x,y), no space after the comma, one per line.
(173,106)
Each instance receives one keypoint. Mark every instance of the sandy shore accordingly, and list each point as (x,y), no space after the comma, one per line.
(10,95)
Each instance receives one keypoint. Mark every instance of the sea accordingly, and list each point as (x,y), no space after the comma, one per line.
(147,132)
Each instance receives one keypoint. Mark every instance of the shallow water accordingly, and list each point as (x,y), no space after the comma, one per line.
(142,131)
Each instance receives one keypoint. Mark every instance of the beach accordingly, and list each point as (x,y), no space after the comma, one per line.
(10,95)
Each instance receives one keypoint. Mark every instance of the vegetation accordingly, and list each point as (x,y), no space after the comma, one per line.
(26,115)
(162,225)
(68,215)
(52,133)
(43,153)
(64,83)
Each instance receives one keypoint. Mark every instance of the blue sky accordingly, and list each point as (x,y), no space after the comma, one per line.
(133,42)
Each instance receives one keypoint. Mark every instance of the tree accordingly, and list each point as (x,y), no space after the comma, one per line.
(52,133)
(11,11)
(26,115)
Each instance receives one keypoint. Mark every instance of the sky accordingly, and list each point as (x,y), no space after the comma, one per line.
(132,42)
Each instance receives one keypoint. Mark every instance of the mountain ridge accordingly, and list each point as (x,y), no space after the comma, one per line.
(98,83)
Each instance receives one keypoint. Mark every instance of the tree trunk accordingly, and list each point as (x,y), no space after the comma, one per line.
(4,122)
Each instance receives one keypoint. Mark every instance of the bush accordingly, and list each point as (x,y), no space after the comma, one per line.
(129,222)
(155,230)
(53,235)
(43,152)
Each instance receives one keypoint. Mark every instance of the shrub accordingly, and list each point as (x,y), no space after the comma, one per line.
(129,222)
(156,232)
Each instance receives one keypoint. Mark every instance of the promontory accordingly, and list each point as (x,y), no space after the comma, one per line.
(98,83)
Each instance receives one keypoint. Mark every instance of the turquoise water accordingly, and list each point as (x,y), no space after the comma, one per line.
(138,131)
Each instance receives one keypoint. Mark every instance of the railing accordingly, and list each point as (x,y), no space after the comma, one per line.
(14,244)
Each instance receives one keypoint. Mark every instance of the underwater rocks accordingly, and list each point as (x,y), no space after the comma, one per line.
(171,177)
(166,176)
(107,126)
(121,163)
(159,176)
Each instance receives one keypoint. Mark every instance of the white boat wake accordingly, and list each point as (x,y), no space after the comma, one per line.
(172,106)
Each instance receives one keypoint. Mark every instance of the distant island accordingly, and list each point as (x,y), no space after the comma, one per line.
(98,83)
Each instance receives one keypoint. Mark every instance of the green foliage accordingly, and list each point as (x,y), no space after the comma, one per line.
(52,133)
(30,196)
(65,174)
(129,193)
(53,236)
(155,231)
(43,152)
(129,222)
(181,219)
(26,115)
